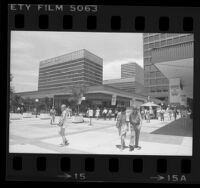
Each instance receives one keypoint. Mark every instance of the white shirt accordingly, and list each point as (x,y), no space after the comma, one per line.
(63,118)
(90,113)
(105,111)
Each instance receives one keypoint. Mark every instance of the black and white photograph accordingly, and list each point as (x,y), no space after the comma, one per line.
(101,93)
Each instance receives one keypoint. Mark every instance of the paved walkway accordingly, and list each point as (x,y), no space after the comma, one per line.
(32,135)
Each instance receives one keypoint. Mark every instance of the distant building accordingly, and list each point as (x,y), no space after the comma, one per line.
(130,85)
(130,70)
(168,56)
(79,67)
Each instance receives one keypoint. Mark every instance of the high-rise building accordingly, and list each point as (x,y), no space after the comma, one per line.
(156,81)
(80,67)
(129,70)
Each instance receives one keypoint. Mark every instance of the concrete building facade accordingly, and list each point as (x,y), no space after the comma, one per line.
(79,67)
(165,48)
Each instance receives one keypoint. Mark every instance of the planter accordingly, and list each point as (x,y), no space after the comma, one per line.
(77,119)
(45,116)
(15,116)
(27,115)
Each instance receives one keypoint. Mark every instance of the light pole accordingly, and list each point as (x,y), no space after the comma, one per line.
(36,101)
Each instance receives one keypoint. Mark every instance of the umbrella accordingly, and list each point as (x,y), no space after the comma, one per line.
(150,104)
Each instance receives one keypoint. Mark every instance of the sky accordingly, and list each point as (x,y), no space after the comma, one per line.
(28,48)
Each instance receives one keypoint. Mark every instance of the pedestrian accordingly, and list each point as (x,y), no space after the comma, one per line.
(170,113)
(142,113)
(122,126)
(52,114)
(63,124)
(148,116)
(104,113)
(118,120)
(97,113)
(135,127)
(18,110)
(162,114)
(116,112)
(110,113)
(127,117)
(175,113)
(90,114)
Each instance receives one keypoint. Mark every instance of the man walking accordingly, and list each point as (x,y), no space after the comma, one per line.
(135,127)
(105,113)
(62,124)
(109,113)
(90,113)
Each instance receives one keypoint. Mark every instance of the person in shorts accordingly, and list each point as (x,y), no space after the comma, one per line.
(62,124)
(97,113)
(123,127)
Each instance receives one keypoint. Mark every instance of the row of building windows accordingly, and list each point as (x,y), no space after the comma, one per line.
(68,74)
(164,43)
(159,81)
(69,64)
(64,86)
(158,89)
(69,80)
(61,76)
(61,73)
(84,65)
(150,68)
(62,65)
(156,74)
(163,36)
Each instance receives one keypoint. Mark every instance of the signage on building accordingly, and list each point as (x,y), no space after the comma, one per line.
(174,90)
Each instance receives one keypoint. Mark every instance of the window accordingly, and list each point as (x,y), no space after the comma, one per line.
(176,40)
(165,89)
(151,39)
(165,81)
(163,35)
(153,74)
(146,40)
(146,82)
(157,37)
(147,67)
(153,81)
(163,43)
(158,74)
(153,68)
(151,45)
(147,60)
(147,74)
(157,44)
(169,41)
(146,46)
(153,89)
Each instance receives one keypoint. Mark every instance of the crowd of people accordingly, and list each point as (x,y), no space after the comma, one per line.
(125,120)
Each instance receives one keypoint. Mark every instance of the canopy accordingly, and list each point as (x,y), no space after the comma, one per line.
(150,104)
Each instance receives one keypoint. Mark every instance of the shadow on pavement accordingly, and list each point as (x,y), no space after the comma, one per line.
(180,127)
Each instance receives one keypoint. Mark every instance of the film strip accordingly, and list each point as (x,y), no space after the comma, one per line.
(69,167)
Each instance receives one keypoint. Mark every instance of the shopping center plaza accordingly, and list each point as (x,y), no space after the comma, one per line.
(58,76)
(167,76)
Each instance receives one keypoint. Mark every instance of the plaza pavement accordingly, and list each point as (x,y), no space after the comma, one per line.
(33,135)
